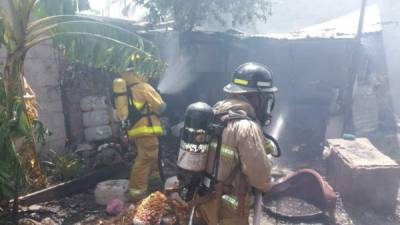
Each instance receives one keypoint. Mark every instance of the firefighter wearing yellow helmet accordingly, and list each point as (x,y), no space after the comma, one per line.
(141,106)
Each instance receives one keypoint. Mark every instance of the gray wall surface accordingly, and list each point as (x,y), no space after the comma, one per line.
(42,74)
(306,71)
(311,74)
(391,37)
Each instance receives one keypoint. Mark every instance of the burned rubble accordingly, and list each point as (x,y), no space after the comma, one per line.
(335,121)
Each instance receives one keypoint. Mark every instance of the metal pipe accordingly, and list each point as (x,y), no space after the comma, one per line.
(361,20)
(353,73)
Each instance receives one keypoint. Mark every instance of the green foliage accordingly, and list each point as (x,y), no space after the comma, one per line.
(96,42)
(106,46)
(11,171)
(59,7)
(86,40)
(12,175)
(190,13)
(63,167)
(2,41)
(40,131)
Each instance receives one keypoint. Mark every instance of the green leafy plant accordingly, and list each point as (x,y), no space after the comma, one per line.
(87,40)
(12,176)
(187,14)
(63,167)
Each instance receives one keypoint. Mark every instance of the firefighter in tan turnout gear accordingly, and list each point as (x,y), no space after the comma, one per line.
(141,105)
(243,149)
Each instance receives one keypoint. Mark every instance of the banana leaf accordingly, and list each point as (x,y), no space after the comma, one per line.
(93,41)
(86,40)
(2,41)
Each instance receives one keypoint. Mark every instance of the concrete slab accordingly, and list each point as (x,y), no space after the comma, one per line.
(363,175)
(360,153)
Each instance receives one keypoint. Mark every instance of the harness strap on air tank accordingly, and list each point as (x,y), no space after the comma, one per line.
(220,186)
(146,107)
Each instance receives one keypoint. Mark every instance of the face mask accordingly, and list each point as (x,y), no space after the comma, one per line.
(265,110)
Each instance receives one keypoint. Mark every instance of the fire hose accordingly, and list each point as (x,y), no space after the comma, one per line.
(258,194)
(306,185)
(257,208)
(277,153)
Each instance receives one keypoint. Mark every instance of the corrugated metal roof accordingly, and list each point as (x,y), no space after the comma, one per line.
(341,27)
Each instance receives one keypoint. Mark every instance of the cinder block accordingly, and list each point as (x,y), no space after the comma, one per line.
(57,133)
(48,94)
(57,145)
(42,72)
(58,120)
(41,51)
(363,175)
(50,107)
(52,121)
(53,93)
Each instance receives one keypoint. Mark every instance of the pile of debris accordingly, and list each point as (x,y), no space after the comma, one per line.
(107,154)
(78,209)
(151,210)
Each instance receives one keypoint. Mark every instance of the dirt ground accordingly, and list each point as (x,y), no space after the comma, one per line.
(82,210)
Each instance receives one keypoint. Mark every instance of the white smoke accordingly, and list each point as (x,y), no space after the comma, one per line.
(178,74)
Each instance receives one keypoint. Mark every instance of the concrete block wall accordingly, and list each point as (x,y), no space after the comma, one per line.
(41,72)
(77,84)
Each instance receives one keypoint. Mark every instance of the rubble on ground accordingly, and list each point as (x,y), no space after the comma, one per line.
(151,210)
(82,209)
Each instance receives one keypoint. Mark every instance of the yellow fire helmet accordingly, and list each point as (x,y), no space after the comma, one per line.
(131,77)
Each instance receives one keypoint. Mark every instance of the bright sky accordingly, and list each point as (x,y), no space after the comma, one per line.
(113,8)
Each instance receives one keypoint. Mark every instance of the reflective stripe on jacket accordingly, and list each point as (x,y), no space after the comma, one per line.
(145,98)
(244,143)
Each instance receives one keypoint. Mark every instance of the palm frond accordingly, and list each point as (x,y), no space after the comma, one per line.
(101,52)
(98,44)
(91,25)
(2,31)
(8,37)
(48,21)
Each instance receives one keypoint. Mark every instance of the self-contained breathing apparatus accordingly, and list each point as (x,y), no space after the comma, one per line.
(193,152)
(201,127)
(127,113)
